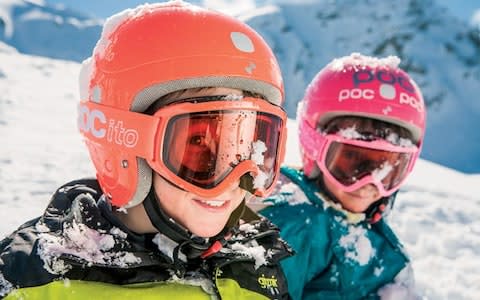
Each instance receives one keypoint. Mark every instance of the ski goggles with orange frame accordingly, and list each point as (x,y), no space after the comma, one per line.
(202,147)
(351,163)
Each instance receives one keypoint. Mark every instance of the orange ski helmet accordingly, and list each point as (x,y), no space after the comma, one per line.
(153,50)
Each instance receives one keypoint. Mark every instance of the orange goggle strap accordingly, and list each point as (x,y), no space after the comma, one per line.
(142,135)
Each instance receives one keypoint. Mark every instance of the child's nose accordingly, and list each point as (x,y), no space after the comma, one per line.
(369,190)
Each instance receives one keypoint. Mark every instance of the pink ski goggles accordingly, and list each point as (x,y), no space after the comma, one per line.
(350,164)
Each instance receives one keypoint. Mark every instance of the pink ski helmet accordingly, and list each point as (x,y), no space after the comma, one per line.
(363,86)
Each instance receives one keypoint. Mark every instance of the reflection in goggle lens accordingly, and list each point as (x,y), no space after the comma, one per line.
(350,163)
(203,148)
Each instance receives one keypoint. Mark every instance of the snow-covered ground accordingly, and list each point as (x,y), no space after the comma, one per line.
(437,214)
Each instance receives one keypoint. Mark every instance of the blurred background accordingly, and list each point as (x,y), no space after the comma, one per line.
(438,42)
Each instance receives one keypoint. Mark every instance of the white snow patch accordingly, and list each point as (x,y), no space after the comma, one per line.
(378,271)
(37,14)
(167,246)
(86,72)
(112,23)
(5,286)
(233,97)
(359,61)
(350,133)
(295,194)
(380,173)
(122,210)
(83,242)
(403,287)
(260,179)
(248,228)
(357,246)
(258,148)
(475,19)
(66,282)
(395,139)
(256,252)
(41,227)
(197,279)
(117,232)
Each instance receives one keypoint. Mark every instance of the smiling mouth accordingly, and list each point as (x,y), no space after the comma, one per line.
(212,204)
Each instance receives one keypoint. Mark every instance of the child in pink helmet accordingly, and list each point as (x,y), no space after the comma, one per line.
(361,128)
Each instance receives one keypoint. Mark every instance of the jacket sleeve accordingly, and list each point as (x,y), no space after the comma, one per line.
(304,227)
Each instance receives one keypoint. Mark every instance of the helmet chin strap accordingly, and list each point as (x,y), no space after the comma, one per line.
(379,208)
(189,244)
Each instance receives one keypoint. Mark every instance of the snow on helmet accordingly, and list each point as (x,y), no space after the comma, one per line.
(156,49)
(363,86)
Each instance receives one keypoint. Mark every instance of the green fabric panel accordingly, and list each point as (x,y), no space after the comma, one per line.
(82,290)
(230,289)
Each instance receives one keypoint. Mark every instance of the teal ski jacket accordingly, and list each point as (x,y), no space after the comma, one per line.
(339,255)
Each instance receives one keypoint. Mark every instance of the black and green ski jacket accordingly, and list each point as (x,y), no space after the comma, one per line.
(78,249)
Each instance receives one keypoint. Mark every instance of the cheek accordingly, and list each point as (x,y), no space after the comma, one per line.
(241,194)
(332,188)
(170,197)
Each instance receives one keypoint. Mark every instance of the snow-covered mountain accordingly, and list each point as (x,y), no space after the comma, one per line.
(475,20)
(440,52)
(47,31)
(437,213)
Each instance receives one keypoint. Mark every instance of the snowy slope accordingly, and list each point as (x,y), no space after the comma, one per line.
(40,146)
(441,52)
(437,215)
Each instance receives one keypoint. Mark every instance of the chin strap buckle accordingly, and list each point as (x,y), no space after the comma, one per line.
(214,248)
(378,214)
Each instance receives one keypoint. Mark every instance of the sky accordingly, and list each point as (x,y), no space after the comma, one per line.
(463,9)
(436,214)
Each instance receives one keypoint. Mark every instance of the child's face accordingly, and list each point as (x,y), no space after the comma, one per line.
(354,160)
(357,201)
(204,217)
(201,216)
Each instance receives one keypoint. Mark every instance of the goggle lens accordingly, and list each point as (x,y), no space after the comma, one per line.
(349,163)
(202,148)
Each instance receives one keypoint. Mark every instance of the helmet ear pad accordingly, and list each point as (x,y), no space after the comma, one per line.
(121,176)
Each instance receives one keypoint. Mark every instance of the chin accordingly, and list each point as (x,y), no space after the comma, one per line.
(353,208)
(208,231)
(357,211)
